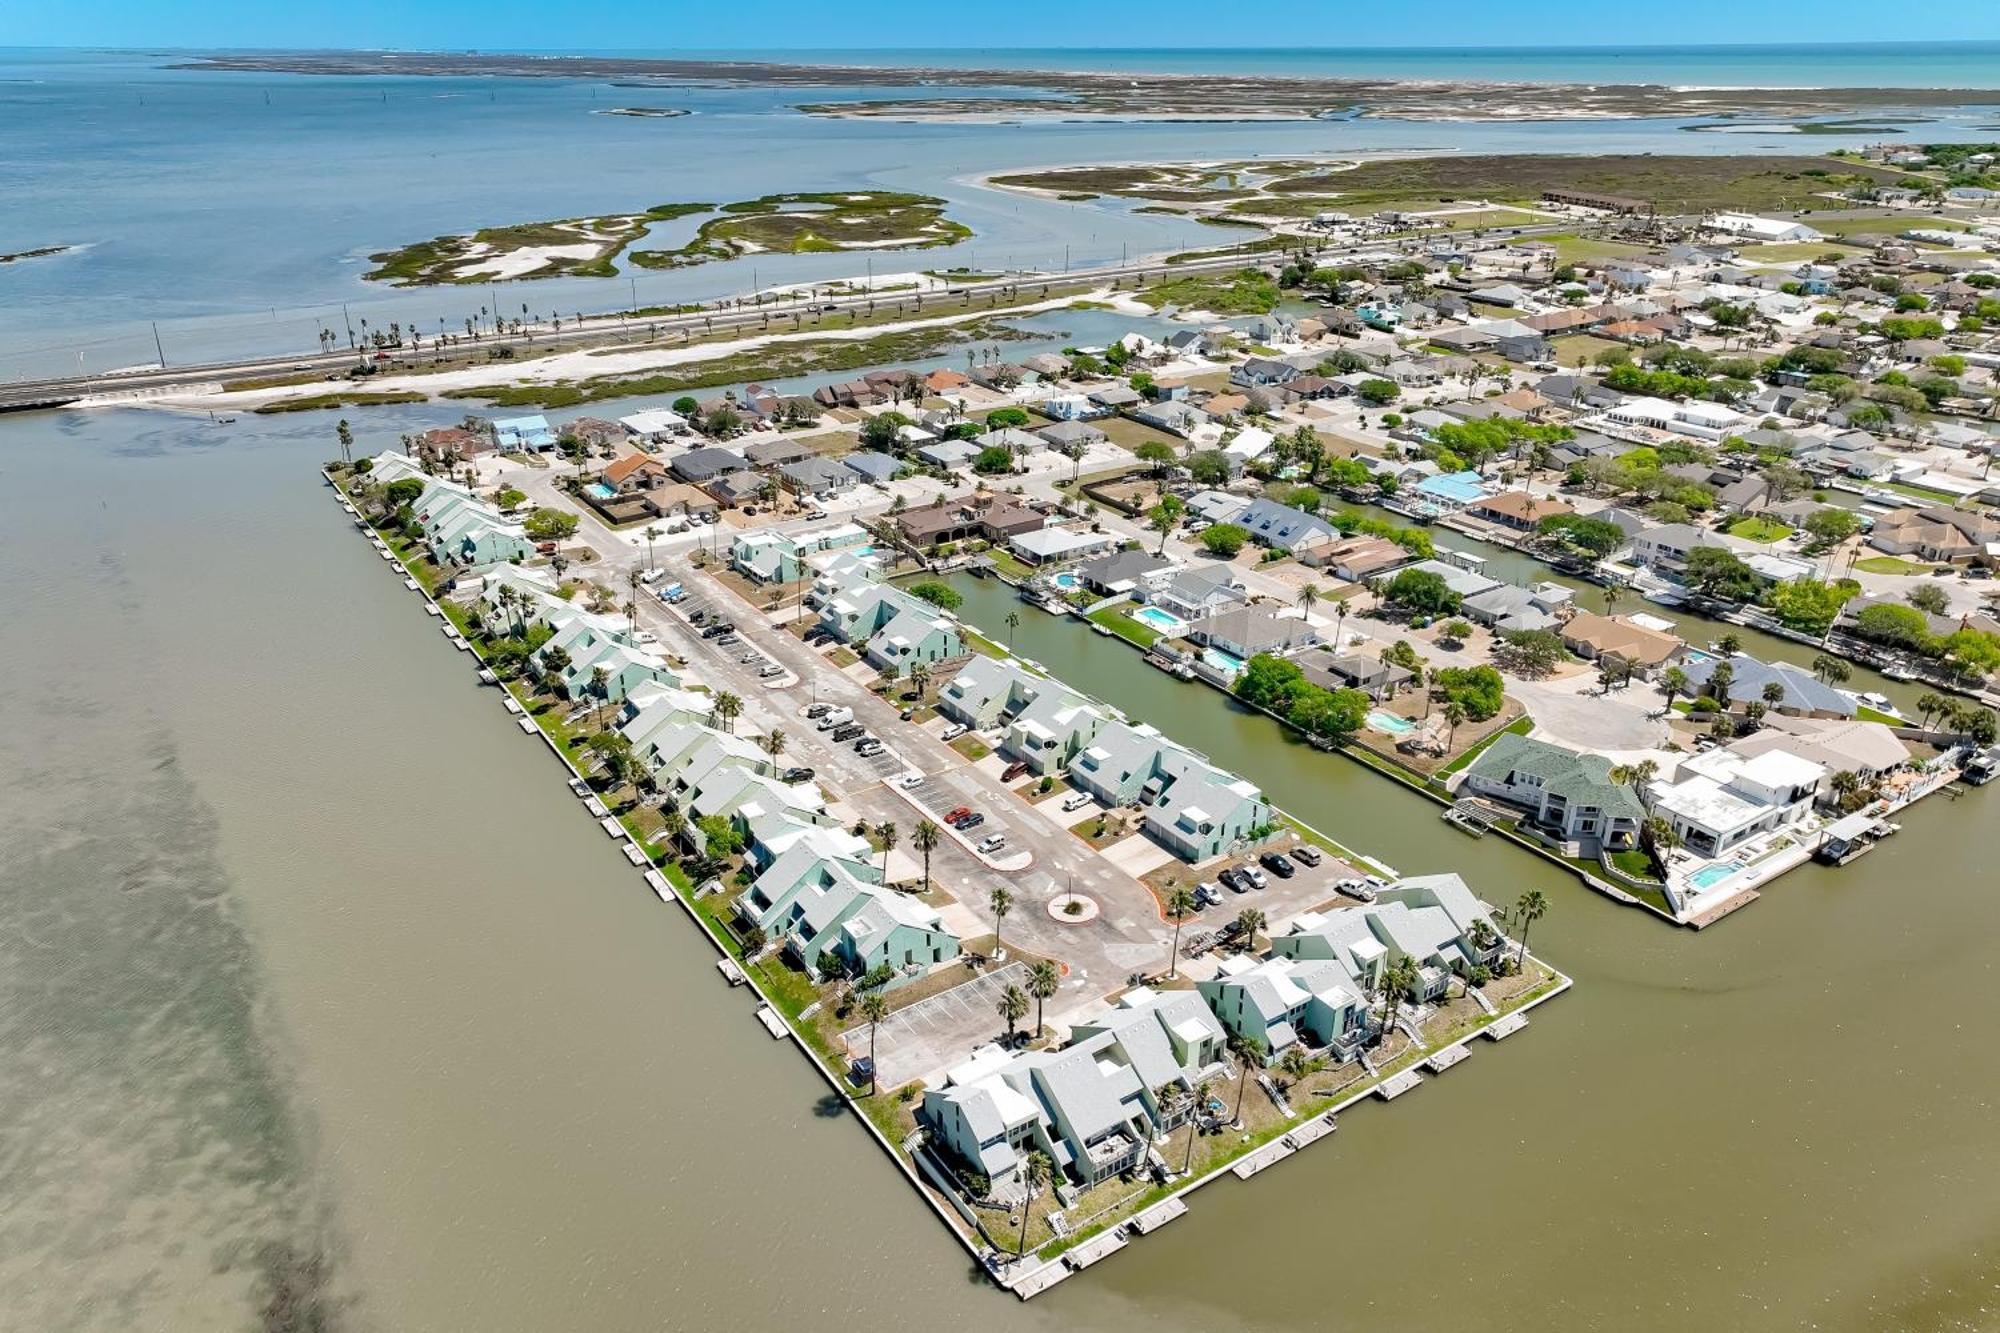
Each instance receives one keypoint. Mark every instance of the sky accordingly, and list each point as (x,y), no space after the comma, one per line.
(875,24)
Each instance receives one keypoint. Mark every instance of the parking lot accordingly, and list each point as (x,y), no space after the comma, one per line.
(933,1034)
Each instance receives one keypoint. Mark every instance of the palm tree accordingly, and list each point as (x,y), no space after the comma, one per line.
(600,685)
(1454,716)
(1339,622)
(1308,598)
(345,434)
(920,676)
(1043,981)
(1295,1064)
(1774,693)
(1532,906)
(1929,704)
(1035,1173)
(1001,900)
(889,835)
(774,745)
(1397,981)
(1200,1093)
(1675,682)
(652,534)
(1248,922)
(1845,784)
(1180,906)
(1013,623)
(1012,1008)
(726,709)
(1730,645)
(873,1010)
(1830,670)
(1249,1053)
(925,838)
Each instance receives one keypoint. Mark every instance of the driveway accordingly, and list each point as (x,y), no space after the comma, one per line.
(930,1036)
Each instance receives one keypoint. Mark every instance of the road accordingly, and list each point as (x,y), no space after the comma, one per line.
(616,329)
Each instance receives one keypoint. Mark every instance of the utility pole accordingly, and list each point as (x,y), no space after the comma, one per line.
(158,350)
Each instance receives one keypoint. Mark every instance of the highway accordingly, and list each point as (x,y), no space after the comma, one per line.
(621,329)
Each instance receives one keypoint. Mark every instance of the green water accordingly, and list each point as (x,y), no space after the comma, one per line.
(1711,1130)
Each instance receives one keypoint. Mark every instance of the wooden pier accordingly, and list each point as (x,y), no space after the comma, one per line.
(1146,1223)
(1501,1029)
(1390,1089)
(1445,1059)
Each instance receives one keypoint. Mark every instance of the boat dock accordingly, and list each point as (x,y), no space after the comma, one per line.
(1501,1029)
(1390,1089)
(1101,1246)
(772,1023)
(1445,1059)
(1146,1223)
(1469,817)
(1312,1131)
(1269,1155)
(730,972)
(611,826)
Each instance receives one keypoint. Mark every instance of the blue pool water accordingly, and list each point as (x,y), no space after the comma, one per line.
(1067,581)
(600,490)
(1164,621)
(1222,661)
(1390,723)
(1709,876)
(1457,487)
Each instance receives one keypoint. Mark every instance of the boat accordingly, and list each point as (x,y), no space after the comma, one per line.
(1898,671)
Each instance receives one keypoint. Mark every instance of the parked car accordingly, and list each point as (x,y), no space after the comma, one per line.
(1307,855)
(971,821)
(913,779)
(1075,801)
(697,617)
(800,774)
(1014,770)
(868,747)
(768,670)
(1234,882)
(835,717)
(819,710)
(1278,864)
(992,843)
(1254,875)
(1208,893)
(843,734)
(717,630)
(954,731)
(957,814)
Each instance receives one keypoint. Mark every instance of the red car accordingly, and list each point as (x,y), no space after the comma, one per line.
(958,814)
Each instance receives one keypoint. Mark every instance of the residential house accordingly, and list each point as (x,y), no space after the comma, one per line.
(515,435)
(1281,1002)
(1358,559)
(1375,678)
(1520,511)
(833,914)
(817,478)
(1124,571)
(894,629)
(1506,608)
(1802,692)
(1722,799)
(1613,638)
(1284,528)
(1048,546)
(769,556)
(1198,591)
(1568,794)
(1938,532)
(1245,631)
(1190,807)
(874,468)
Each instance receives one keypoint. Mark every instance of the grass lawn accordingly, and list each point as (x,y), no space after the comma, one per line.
(1866,714)
(1125,627)
(1890,564)
(1581,249)
(1759,530)
(1581,348)
(1008,563)
(972,747)
(1634,863)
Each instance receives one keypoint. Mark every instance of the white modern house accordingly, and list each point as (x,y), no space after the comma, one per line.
(1722,799)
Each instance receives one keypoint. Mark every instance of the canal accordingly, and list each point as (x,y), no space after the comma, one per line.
(312,973)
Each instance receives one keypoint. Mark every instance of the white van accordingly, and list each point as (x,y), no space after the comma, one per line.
(837,717)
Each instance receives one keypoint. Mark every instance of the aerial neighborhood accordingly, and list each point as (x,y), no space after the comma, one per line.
(1658,547)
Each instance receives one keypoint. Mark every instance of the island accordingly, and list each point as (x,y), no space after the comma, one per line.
(584,247)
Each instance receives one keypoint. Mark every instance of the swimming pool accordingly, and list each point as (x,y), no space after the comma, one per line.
(1709,876)
(1167,623)
(601,491)
(1390,723)
(1067,581)
(1222,661)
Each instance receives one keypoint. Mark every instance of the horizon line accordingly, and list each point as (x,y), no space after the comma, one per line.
(1220,50)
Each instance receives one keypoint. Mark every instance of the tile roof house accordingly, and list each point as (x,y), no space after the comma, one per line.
(1569,793)
(1246,631)
(1518,510)
(1198,590)
(1938,532)
(1284,528)
(1593,637)
(1804,693)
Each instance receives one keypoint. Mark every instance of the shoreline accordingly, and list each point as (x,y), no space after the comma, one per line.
(1142,95)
